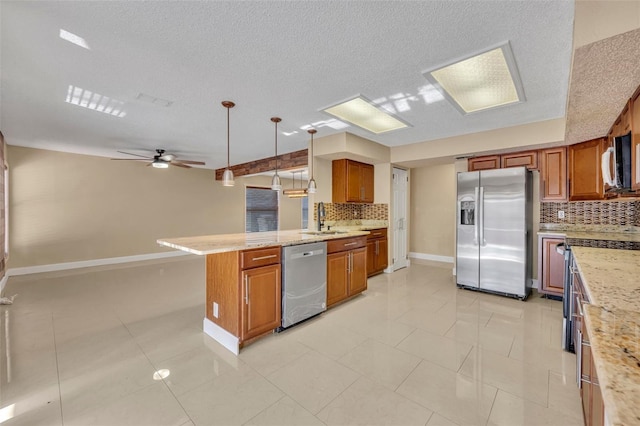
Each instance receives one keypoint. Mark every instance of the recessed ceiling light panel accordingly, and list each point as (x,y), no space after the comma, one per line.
(361,112)
(487,80)
(73,38)
(95,101)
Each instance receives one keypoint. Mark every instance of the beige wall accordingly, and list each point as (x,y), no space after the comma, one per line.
(433,199)
(69,207)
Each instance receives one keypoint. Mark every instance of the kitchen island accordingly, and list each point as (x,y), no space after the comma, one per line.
(243,278)
(609,362)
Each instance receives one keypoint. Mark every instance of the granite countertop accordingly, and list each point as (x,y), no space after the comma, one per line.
(612,282)
(611,277)
(209,244)
(614,336)
(589,235)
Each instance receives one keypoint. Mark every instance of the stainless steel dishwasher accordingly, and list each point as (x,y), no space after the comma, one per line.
(304,284)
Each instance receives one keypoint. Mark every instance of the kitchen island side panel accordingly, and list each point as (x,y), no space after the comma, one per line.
(223,278)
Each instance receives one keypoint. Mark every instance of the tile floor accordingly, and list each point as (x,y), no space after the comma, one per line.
(88,347)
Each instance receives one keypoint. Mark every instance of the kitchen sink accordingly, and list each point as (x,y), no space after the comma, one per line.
(323,232)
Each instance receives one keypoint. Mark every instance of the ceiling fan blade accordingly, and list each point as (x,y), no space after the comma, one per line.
(131,159)
(179,164)
(137,155)
(195,163)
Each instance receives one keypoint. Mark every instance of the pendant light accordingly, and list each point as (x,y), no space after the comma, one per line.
(227,176)
(311,186)
(275,181)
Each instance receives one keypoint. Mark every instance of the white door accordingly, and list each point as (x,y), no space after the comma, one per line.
(400,190)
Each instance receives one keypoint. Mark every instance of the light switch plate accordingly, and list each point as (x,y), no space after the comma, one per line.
(215,310)
(560,214)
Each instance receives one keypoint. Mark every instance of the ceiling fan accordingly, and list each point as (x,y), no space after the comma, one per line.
(161,160)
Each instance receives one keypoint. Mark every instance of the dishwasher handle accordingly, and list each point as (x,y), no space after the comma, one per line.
(307,254)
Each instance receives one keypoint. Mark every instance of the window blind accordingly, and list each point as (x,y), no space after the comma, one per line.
(261,209)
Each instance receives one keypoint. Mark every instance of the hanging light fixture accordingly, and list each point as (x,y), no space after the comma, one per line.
(311,186)
(227,176)
(295,192)
(275,181)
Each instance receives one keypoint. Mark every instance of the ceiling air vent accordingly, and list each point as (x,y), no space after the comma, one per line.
(153,100)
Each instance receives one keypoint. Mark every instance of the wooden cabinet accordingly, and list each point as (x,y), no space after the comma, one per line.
(529,159)
(377,256)
(592,403)
(635,140)
(346,268)
(487,162)
(353,182)
(550,266)
(244,291)
(553,174)
(585,173)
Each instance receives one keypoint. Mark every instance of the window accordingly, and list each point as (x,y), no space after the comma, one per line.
(305,213)
(261,209)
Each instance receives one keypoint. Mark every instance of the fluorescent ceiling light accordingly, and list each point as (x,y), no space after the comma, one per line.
(361,112)
(482,81)
(87,99)
(75,39)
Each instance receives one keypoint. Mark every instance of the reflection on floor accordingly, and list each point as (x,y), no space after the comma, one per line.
(124,345)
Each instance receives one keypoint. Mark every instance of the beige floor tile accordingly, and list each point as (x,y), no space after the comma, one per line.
(329,338)
(382,330)
(443,351)
(438,420)
(285,412)
(273,352)
(432,321)
(564,395)
(151,406)
(38,407)
(524,380)
(230,399)
(480,336)
(313,380)
(462,399)
(510,410)
(368,403)
(380,362)
(550,358)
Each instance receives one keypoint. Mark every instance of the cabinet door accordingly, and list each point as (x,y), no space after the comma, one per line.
(367,182)
(261,301)
(635,141)
(354,188)
(585,173)
(483,163)
(529,159)
(371,257)
(552,278)
(337,277)
(358,271)
(553,174)
(382,259)
(597,404)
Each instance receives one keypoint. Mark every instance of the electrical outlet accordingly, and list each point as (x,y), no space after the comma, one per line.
(215,310)
(560,214)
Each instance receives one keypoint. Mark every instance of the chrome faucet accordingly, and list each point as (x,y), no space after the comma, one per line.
(321,215)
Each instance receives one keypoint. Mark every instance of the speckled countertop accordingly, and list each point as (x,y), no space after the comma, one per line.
(612,281)
(615,345)
(588,235)
(209,244)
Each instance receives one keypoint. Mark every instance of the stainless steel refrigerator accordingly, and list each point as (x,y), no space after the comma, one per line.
(494,226)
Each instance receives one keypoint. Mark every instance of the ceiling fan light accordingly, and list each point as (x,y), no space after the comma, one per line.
(276,185)
(160,164)
(311,186)
(227,178)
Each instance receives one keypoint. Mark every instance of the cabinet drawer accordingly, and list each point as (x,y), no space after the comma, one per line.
(334,246)
(377,233)
(259,257)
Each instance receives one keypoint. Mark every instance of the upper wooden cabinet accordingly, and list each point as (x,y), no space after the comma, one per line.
(353,182)
(529,159)
(487,162)
(635,140)
(553,174)
(585,173)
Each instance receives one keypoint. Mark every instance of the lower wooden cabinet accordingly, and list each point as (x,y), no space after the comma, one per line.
(377,252)
(592,403)
(346,268)
(551,266)
(244,291)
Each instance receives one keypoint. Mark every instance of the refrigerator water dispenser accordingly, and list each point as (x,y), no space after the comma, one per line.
(467,212)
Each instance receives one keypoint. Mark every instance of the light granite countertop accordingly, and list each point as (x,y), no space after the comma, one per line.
(209,244)
(589,235)
(614,336)
(612,282)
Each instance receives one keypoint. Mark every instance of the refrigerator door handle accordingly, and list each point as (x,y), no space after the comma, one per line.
(481,218)
(475,222)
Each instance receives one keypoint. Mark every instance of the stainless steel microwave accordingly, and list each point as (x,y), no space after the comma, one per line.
(617,159)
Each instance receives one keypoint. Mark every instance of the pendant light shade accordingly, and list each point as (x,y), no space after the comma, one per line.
(311,186)
(227,176)
(275,181)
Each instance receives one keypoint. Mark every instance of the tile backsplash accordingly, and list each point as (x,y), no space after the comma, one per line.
(588,213)
(351,211)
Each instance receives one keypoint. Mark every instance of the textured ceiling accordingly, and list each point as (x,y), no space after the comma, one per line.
(288,59)
(605,75)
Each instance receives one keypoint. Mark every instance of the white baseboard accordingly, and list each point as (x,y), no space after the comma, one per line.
(3,282)
(433,257)
(534,284)
(88,263)
(222,336)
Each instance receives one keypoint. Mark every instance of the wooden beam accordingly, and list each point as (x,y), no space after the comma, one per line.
(288,161)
